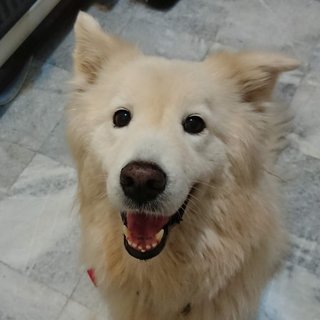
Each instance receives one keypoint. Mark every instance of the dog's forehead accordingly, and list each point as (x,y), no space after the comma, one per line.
(157,80)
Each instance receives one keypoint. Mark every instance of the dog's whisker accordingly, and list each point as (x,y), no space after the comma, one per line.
(192,199)
(196,189)
(205,184)
(192,205)
(101,195)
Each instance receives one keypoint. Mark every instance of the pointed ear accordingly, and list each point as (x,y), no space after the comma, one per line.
(94,48)
(254,73)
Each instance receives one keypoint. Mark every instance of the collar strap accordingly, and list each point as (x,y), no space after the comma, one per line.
(92,275)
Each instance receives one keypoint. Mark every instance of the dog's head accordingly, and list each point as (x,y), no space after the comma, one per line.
(163,130)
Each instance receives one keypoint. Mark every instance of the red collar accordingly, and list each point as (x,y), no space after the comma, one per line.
(92,275)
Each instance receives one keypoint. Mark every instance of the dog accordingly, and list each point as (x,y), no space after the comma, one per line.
(180,211)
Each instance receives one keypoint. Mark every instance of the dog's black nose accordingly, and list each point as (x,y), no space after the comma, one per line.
(142,181)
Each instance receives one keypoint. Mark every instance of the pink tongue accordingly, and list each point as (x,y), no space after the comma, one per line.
(142,226)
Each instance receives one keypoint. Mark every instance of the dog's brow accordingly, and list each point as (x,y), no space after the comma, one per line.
(198,108)
(120,102)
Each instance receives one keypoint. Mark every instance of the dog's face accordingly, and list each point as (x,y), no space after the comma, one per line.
(161,129)
(159,136)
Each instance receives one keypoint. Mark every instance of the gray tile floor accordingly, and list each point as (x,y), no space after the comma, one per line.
(40,273)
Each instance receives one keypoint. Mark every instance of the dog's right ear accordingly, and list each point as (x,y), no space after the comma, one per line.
(94,48)
(254,73)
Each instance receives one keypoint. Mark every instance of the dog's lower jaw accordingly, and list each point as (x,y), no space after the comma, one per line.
(150,251)
(145,248)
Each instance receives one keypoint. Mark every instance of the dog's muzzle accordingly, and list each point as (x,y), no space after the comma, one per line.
(146,232)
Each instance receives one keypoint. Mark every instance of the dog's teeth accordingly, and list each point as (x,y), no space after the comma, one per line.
(143,251)
(134,245)
(159,235)
(140,248)
(130,243)
(125,231)
(154,245)
(148,247)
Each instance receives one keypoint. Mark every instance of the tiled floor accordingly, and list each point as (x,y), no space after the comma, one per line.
(40,273)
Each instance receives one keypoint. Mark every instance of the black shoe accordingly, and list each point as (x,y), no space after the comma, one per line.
(161,4)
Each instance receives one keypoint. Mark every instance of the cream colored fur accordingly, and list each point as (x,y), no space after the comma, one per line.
(218,260)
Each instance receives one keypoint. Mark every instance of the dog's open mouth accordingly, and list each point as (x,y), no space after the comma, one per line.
(145,235)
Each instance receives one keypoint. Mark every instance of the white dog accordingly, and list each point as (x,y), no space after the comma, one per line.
(180,216)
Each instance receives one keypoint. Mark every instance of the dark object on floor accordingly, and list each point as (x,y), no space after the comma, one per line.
(161,4)
(14,70)
(12,77)
(11,12)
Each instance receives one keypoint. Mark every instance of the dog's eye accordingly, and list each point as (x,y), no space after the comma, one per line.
(193,124)
(121,118)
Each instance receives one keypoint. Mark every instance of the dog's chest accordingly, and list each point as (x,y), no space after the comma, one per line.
(143,304)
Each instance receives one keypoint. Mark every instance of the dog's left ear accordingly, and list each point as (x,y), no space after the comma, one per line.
(94,48)
(254,73)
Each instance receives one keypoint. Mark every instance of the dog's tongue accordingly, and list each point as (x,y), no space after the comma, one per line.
(145,226)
